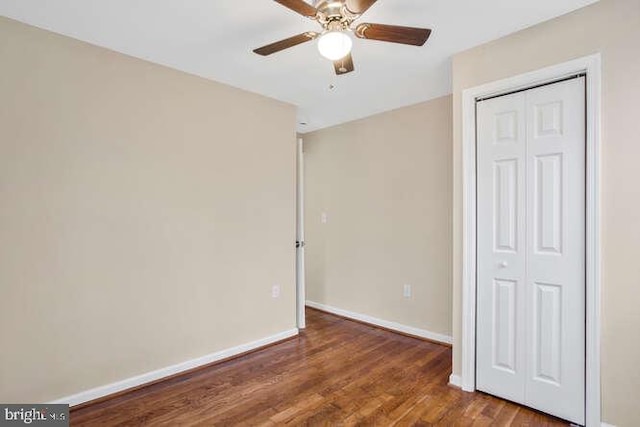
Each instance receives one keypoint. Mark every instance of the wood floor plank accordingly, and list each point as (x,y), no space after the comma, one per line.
(337,372)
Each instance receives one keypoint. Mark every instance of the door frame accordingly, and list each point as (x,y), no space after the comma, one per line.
(300,271)
(591,66)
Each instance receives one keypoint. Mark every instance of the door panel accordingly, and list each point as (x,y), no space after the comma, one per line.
(556,249)
(547,332)
(531,248)
(504,334)
(547,212)
(501,250)
(506,205)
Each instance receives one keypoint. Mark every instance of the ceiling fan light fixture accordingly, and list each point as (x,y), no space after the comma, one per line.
(337,19)
(335,45)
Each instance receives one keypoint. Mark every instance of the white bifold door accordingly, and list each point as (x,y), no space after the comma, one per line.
(531,248)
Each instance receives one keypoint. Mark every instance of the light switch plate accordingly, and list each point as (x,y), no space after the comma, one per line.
(275,291)
(407,291)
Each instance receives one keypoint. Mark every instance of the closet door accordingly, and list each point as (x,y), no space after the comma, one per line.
(501,246)
(556,249)
(531,248)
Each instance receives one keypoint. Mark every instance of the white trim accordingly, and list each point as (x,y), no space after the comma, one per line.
(455,380)
(422,333)
(591,65)
(105,390)
(300,272)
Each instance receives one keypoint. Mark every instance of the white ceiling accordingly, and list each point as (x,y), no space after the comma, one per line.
(214,39)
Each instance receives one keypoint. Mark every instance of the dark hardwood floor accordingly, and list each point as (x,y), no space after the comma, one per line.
(337,372)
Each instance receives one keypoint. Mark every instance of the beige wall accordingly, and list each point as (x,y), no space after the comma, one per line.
(385,184)
(611,27)
(144,216)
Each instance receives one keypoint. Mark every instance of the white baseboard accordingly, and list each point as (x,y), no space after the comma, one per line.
(105,390)
(607,425)
(422,333)
(455,380)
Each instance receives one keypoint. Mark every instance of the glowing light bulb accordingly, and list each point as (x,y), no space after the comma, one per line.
(335,45)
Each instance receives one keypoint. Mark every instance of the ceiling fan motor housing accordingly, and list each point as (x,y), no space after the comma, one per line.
(329,7)
(332,11)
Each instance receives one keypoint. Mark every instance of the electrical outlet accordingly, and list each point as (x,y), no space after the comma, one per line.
(407,291)
(275,291)
(323,217)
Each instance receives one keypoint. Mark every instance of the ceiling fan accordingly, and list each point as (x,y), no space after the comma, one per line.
(336,18)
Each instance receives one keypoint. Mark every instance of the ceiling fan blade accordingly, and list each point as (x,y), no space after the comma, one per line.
(393,33)
(286,43)
(299,6)
(344,65)
(359,6)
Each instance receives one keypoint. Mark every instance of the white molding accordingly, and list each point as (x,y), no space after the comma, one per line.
(422,333)
(593,241)
(455,380)
(106,390)
(300,266)
(591,65)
